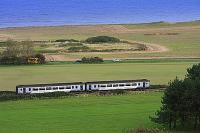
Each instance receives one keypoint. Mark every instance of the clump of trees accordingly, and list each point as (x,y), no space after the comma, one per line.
(20,53)
(66,40)
(91,60)
(181,101)
(102,39)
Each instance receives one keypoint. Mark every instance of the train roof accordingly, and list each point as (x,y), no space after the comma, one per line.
(79,83)
(117,81)
(52,84)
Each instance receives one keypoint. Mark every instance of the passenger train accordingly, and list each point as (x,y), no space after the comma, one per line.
(83,86)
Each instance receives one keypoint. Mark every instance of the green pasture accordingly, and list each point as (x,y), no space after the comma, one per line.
(185,44)
(159,72)
(91,114)
(83,114)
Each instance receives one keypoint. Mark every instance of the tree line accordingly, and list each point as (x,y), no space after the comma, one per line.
(181,101)
(20,53)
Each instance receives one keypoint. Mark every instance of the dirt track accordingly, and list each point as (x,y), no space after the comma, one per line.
(151,48)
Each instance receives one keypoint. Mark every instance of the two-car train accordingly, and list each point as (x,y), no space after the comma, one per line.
(83,86)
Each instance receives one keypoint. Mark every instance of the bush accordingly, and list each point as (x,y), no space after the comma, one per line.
(112,92)
(102,39)
(70,44)
(147,130)
(157,86)
(3,44)
(79,49)
(41,58)
(13,60)
(91,60)
(66,40)
(9,95)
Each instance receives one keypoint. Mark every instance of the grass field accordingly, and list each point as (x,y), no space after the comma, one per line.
(100,114)
(183,44)
(159,72)
(105,114)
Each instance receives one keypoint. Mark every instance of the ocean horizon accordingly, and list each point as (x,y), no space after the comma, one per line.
(22,13)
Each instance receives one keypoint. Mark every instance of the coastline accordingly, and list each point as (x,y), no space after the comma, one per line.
(103,24)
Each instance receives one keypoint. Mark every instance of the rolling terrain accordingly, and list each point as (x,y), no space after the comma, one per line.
(172,48)
(180,40)
(158,71)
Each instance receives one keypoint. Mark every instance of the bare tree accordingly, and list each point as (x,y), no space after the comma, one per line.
(18,49)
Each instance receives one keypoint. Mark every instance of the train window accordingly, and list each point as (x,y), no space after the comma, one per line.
(138,84)
(134,84)
(29,89)
(68,87)
(109,85)
(35,89)
(95,86)
(41,89)
(128,84)
(76,87)
(72,87)
(48,88)
(55,88)
(121,85)
(90,87)
(81,87)
(61,88)
(103,85)
(115,85)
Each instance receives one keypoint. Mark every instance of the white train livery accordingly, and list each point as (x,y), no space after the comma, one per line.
(83,86)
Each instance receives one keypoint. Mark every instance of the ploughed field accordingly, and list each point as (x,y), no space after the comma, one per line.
(158,71)
(84,114)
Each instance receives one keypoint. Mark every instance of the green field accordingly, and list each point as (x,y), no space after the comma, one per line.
(159,72)
(100,114)
(103,114)
(84,114)
(183,44)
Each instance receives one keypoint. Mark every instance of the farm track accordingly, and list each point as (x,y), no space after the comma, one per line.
(151,48)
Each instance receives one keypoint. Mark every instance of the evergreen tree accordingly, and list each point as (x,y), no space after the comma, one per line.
(181,101)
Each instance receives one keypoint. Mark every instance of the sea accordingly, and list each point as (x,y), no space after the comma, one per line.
(20,13)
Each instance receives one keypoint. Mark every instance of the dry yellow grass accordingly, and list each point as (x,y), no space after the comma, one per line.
(185,44)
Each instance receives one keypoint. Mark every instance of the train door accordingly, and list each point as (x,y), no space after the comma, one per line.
(144,84)
(24,90)
(90,87)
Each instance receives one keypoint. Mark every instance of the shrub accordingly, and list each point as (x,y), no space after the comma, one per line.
(112,92)
(3,44)
(144,130)
(9,95)
(41,58)
(148,130)
(91,60)
(79,49)
(66,40)
(13,60)
(102,39)
(70,44)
